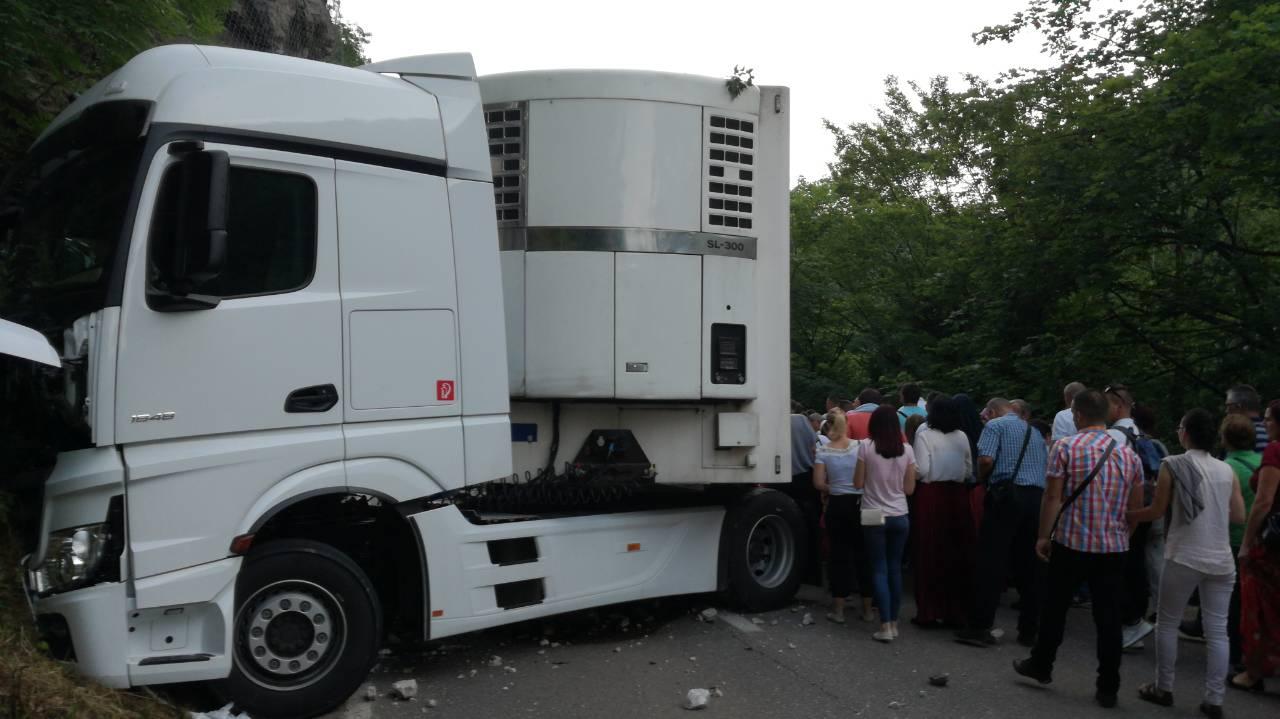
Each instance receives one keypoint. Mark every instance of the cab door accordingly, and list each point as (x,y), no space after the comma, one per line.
(216,405)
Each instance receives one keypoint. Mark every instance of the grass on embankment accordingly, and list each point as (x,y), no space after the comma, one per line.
(33,685)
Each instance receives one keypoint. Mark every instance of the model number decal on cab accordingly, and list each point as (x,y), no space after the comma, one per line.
(157,417)
(717,245)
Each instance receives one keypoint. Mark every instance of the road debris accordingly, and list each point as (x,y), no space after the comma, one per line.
(223,713)
(806,620)
(495,661)
(405,689)
(757,621)
(896,705)
(697,699)
(939,680)
(370,692)
(707,615)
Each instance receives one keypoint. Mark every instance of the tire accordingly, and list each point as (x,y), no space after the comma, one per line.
(761,549)
(310,610)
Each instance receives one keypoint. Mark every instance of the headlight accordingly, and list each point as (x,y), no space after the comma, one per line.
(72,558)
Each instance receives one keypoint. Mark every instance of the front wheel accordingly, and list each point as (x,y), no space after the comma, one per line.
(307,630)
(761,547)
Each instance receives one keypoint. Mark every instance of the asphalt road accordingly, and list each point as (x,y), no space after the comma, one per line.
(640,660)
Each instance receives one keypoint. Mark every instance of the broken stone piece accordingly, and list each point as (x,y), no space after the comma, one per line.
(697,699)
(405,689)
(370,693)
(806,620)
(939,680)
(707,615)
(495,661)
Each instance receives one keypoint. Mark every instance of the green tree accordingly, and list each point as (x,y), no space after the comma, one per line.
(1110,218)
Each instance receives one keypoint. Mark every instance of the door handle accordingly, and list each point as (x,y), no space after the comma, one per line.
(317,398)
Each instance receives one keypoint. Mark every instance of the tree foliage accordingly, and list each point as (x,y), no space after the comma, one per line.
(1112,218)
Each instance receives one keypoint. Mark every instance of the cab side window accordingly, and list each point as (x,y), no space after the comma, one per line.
(271,233)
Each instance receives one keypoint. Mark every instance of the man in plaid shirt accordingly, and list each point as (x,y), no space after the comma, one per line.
(1091,541)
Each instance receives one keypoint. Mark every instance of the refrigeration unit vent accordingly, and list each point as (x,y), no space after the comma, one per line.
(508,136)
(729,180)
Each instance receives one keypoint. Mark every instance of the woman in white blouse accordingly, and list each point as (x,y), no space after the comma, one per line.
(945,533)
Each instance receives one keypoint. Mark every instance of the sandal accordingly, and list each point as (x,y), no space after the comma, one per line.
(1155,695)
(1256,686)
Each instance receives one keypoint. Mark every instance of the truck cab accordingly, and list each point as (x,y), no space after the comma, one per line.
(337,352)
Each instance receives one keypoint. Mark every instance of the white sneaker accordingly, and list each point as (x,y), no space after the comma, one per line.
(1134,633)
(885,636)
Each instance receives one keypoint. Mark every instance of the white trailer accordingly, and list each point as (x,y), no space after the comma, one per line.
(347,351)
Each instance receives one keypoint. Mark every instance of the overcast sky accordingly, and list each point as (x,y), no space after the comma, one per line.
(833,55)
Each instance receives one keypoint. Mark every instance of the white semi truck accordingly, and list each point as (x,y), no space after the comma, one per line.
(342,352)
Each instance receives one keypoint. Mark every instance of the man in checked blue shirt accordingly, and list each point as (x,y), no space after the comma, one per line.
(1012,459)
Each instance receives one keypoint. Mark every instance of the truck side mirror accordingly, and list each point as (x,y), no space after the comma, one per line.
(189,237)
(202,217)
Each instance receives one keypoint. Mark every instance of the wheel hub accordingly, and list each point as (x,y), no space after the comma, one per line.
(770,551)
(288,631)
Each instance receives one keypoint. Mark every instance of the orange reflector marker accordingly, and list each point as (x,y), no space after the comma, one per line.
(241,544)
(437,612)
(633,547)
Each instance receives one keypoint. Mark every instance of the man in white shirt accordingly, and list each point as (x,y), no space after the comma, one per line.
(1063,425)
(1137,594)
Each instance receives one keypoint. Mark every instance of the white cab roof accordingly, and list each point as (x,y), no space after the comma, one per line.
(276,94)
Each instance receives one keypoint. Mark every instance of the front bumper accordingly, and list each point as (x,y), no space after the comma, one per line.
(174,630)
(96,632)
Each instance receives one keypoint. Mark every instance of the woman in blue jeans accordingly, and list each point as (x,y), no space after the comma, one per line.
(886,473)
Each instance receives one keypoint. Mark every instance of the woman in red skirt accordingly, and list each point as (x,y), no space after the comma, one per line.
(1260,570)
(945,532)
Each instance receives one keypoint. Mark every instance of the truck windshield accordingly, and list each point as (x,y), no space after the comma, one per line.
(61,217)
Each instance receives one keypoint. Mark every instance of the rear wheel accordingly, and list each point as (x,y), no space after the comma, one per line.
(761,547)
(307,630)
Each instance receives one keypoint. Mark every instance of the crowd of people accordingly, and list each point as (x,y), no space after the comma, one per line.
(1088,509)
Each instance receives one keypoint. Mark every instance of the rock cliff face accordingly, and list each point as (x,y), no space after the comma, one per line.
(302,28)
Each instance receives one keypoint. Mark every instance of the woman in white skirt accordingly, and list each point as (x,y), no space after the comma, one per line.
(1201,497)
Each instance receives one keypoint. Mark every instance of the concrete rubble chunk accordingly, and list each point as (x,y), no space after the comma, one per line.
(697,699)
(510,670)
(405,689)
(617,650)
(717,692)
(708,615)
(223,713)
(495,661)
(757,621)
(791,645)
(432,703)
(896,705)
(545,642)
(806,620)
(370,692)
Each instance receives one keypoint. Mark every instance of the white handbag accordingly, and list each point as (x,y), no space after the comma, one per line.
(872,518)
